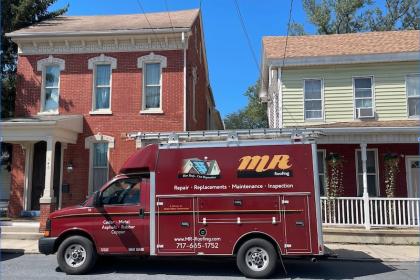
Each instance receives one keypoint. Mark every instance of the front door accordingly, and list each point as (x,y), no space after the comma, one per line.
(122,226)
(413,176)
(38,174)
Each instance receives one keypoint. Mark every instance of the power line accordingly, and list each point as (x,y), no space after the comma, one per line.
(169,15)
(148,22)
(284,55)
(247,36)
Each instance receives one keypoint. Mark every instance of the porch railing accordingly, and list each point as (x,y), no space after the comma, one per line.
(382,212)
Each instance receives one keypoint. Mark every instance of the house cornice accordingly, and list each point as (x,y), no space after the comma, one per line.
(99,43)
(343,59)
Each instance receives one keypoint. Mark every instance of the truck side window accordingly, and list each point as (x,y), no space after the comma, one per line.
(121,192)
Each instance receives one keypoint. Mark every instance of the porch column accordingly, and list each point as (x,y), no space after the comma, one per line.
(47,200)
(365,186)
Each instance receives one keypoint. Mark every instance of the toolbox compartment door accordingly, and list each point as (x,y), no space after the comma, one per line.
(297,224)
(175,223)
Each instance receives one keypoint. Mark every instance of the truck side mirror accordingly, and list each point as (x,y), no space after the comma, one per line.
(97,199)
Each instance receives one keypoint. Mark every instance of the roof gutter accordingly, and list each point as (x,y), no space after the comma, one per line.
(23,35)
(347,130)
(344,59)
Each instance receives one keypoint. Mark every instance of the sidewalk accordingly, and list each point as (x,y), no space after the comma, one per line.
(353,252)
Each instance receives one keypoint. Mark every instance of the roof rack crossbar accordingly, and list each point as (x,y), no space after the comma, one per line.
(229,135)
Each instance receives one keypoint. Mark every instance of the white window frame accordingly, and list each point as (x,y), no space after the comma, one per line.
(141,64)
(378,190)
(92,63)
(372,84)
(42,65)
(408,97)
(89,144)
(322,118)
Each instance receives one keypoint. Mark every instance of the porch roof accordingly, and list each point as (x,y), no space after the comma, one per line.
(369,131)
(39,128)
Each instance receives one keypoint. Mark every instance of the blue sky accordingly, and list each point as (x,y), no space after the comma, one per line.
(231,66)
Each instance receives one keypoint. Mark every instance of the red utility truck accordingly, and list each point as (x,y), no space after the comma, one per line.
(249,194)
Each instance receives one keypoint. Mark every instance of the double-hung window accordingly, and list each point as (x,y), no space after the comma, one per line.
(102,67)
(102,91)
(51,68)
(152,86)
(51,88)
(151,65)
(99,164)
(313,99)
(99,146)
(413,95)
(372,172)
(363,94)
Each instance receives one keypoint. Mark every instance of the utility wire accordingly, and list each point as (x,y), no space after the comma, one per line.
(169,15)
(284,56)
(148,21)
(238,10)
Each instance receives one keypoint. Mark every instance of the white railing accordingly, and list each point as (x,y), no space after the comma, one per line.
(382,212)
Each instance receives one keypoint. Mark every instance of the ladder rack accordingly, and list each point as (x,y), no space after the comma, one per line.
(227,135)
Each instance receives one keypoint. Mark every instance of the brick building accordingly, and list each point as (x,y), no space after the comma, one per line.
(83,82)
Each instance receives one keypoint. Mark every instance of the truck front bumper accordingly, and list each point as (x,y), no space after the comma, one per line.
(46,245)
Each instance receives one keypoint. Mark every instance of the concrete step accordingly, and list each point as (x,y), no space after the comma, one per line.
(21,235)
(389,236)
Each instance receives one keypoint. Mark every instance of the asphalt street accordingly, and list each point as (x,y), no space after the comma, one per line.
(27,267)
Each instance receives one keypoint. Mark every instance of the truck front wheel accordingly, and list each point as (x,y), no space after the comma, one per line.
(256,258)
(76,255)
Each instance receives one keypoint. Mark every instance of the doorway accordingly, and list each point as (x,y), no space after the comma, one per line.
(38,173)
(412,165)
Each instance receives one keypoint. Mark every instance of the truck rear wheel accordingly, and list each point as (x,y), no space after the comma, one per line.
(76,255)
(256,258)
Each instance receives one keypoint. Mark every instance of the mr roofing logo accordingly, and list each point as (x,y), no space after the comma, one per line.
(265,166)
(200,168)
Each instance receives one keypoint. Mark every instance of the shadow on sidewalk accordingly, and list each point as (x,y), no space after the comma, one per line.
(346,254)
(5,256)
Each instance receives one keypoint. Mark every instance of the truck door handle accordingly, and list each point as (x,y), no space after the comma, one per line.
(141,213)
(300,223)
(185,224)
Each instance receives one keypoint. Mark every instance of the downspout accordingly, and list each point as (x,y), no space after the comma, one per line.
(185,79)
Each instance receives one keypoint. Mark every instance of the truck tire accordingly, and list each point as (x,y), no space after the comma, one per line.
(256,258)
(76,255)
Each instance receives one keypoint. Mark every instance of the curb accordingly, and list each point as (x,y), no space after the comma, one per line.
(18,251)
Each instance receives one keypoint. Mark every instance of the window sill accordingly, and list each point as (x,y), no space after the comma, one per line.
(151,111)
(103,112)
(414,117)
(315,120)
(47,113)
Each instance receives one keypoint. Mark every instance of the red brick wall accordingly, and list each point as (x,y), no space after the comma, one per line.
(194,52)
(348,152)
(76,98)
(76,82)
(17,182)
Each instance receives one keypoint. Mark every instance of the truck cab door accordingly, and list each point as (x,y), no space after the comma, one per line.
(297,224)
(122,224)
